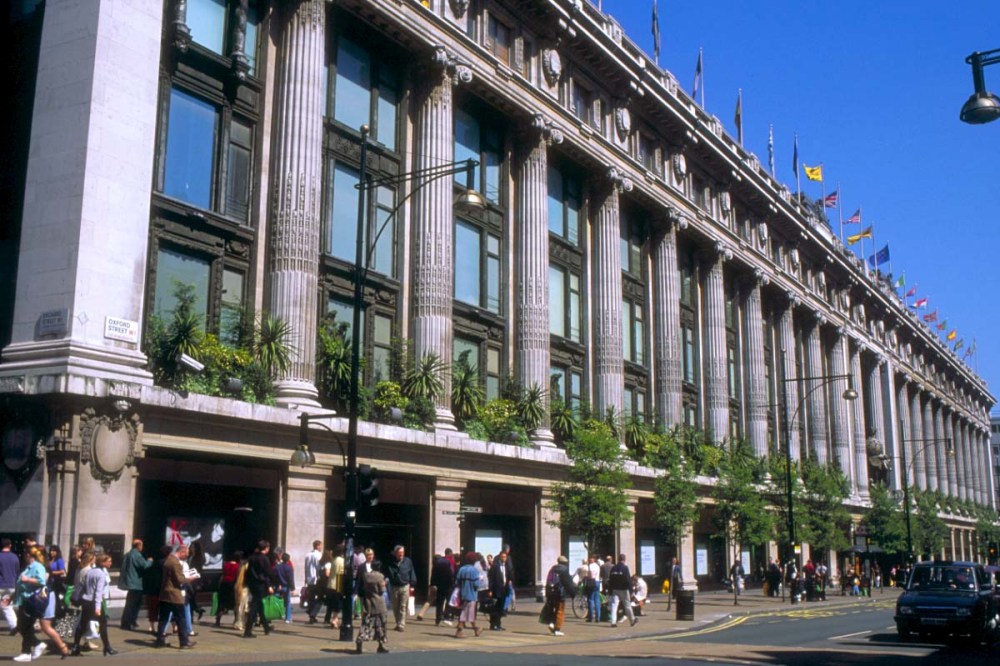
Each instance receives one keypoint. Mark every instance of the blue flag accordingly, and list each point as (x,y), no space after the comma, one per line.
(880,257)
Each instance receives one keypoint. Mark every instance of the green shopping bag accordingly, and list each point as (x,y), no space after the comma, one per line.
(215,604)
(274,607)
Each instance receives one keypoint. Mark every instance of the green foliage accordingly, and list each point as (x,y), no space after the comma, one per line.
(593,501)
(988,530)
(637,434)
(423,377)
(563,422)
(825,519)
(675,492)
(272,346)
(778,496)
(885,520)
(388,396)
(466,391)
(531,407)
(333,362)
(419,414)
(498,421)
(742,512)
(928,529)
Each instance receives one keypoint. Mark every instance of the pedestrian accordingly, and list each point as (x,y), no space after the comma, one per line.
(285,577)
(483,587)
(620,584)
(359,561)
(401,577)
(193,577)
(314,593)
(442,580)
(736,574)
(498,587)
(334,593)
(259,583)
(87,559)
(35,604)
(468,581)
(152,581)
(640,592)
(676,580)
(8,581)
(773,577)
(374,613)
(558,587)
(226,596)
(592,589)
(606,568)
(130,580)
(73,564)
(95,586)
(57,577)
(172,600)
(242,595)
(196,563)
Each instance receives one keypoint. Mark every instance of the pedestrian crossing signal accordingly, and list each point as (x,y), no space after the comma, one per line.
(367,485)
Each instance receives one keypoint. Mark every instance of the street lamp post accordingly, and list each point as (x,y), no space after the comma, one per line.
(982,106)
(848,394)
(927,443)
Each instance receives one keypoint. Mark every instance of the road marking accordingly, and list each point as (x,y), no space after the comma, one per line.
(709,630)
(856,633)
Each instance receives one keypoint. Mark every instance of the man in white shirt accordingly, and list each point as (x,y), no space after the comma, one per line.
(592,588)
(312,580)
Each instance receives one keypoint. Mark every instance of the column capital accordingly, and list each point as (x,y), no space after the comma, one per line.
(544,127)
(445,60)
(675,217)
(761,278)
(618,179)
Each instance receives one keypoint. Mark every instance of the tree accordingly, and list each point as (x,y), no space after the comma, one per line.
(929,530)
(675,492)
(778,496)
(593,502)
(825,518)
(741,513)
(885,521)
(987,531)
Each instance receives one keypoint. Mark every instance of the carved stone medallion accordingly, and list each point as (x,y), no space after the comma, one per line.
(623,122)
(459,7)
(551,66)
(108,444)
(680,166)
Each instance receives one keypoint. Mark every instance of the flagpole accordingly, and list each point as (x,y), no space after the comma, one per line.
(798,179)
(840,211)
(701,59)
(822,188)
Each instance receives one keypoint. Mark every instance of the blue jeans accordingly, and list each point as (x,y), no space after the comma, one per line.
(286,596)
(594,605)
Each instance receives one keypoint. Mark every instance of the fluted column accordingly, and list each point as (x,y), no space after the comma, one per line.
(932,449)
(532,278)
(903,410)
(969,464)
(963,478)
(874,403)
(990,470)
(941,449)
(298,165)
(756,381)
(859,479)
(952,461)
(838,406)
(977,439)
(790,384)
(667,323)
(609,369)
(919,460)
(818,443)
(716,367)
(433,223)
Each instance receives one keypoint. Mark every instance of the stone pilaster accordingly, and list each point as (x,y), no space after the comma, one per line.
(548,538)
(756,381)
(970,464)
(716,367)
(859,479)
(298,166)
(932,449)
(446,496)
(948,419)
(982,464)
(964,478)
(788,373)
(841,431)
(433,222)
(667,323)
(960,480)
(919,454)
(626,537)
(816,393)
(609,369)
(304,515)
(532,276)
(903,410)
(943,471)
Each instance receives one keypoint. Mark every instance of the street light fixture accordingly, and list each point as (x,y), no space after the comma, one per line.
(982,106)
(927,443)
(849,394)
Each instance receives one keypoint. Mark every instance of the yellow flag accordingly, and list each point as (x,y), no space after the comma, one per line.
(814,173)
(952,335)
(867,233)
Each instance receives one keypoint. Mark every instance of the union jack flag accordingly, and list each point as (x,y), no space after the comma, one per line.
(854,219)
(831,200)
(932,317)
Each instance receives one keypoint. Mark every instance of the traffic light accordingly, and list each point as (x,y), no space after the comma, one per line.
(993,549)
(367,485)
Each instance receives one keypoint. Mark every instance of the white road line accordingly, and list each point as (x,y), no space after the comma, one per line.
(857,633)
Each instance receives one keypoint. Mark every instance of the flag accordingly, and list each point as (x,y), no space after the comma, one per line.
(795,157)
(656,34)
(972,349)
(952,335)
(943,325)
(920,303)
(911,292)
(831,200)
(770,147)
(901,281)
(697,77)
(739,115)
(959,344)
(855,218)
(932,317)
(867,233)
(969,351)
(880,257)
(814,173)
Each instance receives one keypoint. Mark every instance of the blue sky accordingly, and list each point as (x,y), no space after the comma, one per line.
(874,91)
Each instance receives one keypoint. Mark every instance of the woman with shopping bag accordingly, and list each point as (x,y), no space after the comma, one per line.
(92,603)
(373,608)
(35,602)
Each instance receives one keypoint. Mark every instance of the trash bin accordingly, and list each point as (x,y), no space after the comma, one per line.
(685,605)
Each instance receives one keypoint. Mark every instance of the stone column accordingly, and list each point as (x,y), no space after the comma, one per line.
(816,400)
(626,537)
(952,460)
(298,194)
(903,409)
(838,405)
(446,495)
(87,189)
(434,222)
(961,479)
(609,369)
(943,466)
(983,462)
(548,538)
(667,322)
(715,364)
(786,338)
(859,441)
(932,451)
(990,470)
(919,459)
(305,509)
(532,256)
(686,554)
(756,381)
(968,462)
(874,402)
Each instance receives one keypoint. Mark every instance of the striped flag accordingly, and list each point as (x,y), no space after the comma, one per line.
(911,292)
(932,317)
(831,200)
(867,233)
(698,83)
(920,303)
(770,147)
(855,218)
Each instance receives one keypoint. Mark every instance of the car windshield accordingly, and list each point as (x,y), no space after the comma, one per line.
(943,578)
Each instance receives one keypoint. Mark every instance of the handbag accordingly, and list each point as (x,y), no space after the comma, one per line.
(547,616)
(274,607)
(215,604)
(455,600)
(37,603)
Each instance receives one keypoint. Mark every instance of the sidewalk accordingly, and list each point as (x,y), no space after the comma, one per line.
(523,631)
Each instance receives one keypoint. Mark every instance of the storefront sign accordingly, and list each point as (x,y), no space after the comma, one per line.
(577,552)
(647,558)
(701,561)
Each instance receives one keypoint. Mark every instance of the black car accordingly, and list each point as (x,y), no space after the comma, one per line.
(947,598)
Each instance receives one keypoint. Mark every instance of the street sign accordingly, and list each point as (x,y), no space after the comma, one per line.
(472,509)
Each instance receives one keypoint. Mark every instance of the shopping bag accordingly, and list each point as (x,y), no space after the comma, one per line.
(547,616)
(455,601)
(411,606)
(274,607)
(215,604)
